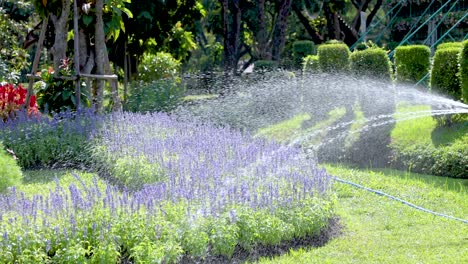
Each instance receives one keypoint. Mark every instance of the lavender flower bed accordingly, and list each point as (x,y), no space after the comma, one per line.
(185,189)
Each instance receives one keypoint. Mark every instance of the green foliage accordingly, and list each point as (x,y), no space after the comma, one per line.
(265,66)
(449,45)
(444,73)
(10,172)
(301,49)
(412,63)
(334,57)
(15,19)
(311,63)
(463,64)
(156,96)
(449,161)
(45,145)
(424,147)
(206,59)
(371,62)
(158,66)
(133,172)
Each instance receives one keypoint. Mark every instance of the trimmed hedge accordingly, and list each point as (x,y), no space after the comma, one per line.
(444,73)
(450,161)
(449,45)
(10,172)
(412,63)
(265,65)
(463,70)
(311,63)
(301,49)
(334,57)
(372,62)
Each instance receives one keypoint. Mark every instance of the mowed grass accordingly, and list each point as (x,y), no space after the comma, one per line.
(424,130)
(377,229)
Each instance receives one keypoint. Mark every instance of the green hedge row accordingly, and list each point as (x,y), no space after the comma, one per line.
(372,62)
(449,161)
(463,64)
(412,63)
(334,57)
(444,72)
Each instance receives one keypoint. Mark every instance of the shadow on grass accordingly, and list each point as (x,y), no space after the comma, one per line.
(445,135)
(42,176)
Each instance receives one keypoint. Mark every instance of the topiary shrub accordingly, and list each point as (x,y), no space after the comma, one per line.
(265,66)
(372,62)
(10,172)
(463,71)
(444,72)
(301,49)
(412,63)
(311,63)
(445,81)
(334,57)
(449,45)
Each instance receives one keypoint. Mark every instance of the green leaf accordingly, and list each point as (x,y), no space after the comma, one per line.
(87,20)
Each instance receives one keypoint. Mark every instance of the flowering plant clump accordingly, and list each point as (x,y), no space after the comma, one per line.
(12,98)
(182,189)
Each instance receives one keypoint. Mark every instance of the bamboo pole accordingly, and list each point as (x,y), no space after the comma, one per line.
(37,57)
(77,55)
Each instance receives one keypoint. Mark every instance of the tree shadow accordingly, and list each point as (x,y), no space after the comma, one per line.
(446,135)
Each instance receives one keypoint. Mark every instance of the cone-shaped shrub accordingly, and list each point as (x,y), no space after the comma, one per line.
(334,57)
(412,63)
(463,70)
(373,62)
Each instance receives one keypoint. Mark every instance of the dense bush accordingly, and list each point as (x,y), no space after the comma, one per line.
(265,66)
(444,73)
(449,161)
(158,66)
(301,49)
(157,96)
(334,57)
(10,173)
(311,63)
(463,64)
(449,45)
(411,63)
(60,140)
(371,62)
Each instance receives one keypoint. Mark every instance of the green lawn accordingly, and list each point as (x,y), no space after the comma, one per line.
(379,230)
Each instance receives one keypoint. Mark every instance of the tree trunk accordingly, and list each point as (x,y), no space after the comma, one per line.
(231,34)
(279,33)
(100,47)
(262,48)
(59,50)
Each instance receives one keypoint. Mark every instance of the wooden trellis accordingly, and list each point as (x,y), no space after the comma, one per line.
(78,75)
